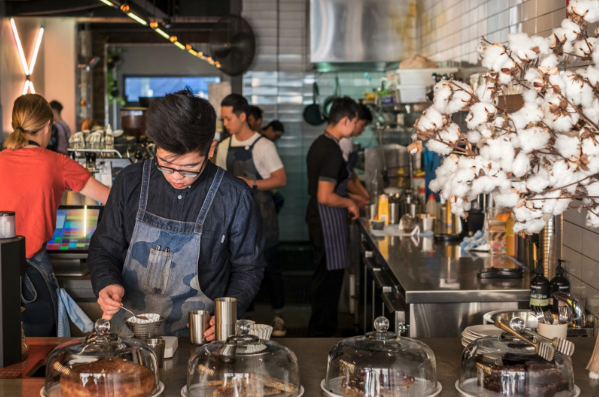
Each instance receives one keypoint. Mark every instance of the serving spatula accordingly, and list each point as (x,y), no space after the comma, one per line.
(543,349)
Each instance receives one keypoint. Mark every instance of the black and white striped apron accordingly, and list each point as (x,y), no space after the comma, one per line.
(334,223)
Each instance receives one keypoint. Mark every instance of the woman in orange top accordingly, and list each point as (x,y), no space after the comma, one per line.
(33,180)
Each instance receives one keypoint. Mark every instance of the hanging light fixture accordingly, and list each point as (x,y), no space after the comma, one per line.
(27,68)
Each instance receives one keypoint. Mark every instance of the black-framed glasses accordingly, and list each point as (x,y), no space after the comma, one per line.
(187,174)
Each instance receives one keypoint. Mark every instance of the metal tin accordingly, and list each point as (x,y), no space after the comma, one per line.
(226,317)
(199,322)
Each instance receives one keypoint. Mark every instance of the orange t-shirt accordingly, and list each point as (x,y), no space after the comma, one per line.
(32,182)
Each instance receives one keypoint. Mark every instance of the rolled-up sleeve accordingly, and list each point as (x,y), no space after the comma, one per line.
(246,245)
(108,246)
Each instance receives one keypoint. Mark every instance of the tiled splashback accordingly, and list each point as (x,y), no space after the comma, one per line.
(450,30)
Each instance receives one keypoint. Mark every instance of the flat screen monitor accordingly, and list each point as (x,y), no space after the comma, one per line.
(75,226)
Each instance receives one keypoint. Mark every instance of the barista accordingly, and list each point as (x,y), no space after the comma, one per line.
(32,181)
(351,156)
(177,231)
(255,118)
(254,159)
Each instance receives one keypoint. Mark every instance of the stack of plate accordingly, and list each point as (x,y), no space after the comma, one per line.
(475,332)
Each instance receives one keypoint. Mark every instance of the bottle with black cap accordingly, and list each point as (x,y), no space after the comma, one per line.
(539,289)
(559,283)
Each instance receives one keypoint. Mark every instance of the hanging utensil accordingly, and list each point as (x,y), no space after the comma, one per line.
(543,349)
(326,105)
(312,113)
(548,317)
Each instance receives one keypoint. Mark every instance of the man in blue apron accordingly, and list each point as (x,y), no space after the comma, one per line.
(351,156)
(178,231)
(329,210)
(254,159)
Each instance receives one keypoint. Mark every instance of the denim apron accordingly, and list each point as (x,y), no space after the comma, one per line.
(241,163)
(160,273)
(334,223)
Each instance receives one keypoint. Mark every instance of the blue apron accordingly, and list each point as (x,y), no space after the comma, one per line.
(334,223)
(240,162)
(160,273)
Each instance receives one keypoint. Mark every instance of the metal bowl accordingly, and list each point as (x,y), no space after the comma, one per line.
(527,315)
(148,330)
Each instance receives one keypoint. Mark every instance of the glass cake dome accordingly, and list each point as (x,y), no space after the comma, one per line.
(244,365)
(381,364)
(507,366)
(102,364)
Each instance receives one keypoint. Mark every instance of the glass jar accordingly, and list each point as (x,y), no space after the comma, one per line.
(381,364)
(507,366)
(244,365)
(102,364)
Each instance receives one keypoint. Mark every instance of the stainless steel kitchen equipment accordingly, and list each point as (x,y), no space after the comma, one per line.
(225,317)
(199,322)
(385,161)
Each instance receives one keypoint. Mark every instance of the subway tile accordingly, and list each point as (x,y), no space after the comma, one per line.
(544,23)
(590,272)
(591,298)
(515,15)
(529,27)
(590,244)
(573,264)
(575,216)
(514,2)
(503,19)
(573,236)
(529,10)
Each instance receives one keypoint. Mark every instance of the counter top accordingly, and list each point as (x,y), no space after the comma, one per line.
(312,358)
(431,272)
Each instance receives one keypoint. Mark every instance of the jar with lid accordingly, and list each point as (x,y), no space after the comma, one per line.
(102,364)
(243,365)
(380,364)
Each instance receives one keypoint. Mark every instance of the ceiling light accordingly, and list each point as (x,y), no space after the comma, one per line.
(19,46)
(27,69)
(163,34)
(108,3)
(125,7)
(154,25)
(136,18)
(192,52)
(173,39)
(181,46)
(38,42)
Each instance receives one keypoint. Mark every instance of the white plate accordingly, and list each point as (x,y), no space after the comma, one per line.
(56,393)
(323,386)
(184,392)
(483,330)
(493,394)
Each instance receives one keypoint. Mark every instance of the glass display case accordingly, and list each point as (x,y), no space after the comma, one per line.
(381,364)
(103,364)
(502,366)
(244,365)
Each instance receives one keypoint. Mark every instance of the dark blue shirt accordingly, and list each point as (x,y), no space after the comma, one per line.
(231,260)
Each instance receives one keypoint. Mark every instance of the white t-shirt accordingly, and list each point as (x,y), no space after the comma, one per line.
(265,155)
(346,146)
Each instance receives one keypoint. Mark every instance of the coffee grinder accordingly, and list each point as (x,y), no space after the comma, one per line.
(12,268)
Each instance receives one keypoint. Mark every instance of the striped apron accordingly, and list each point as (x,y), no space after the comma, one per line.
(334,223)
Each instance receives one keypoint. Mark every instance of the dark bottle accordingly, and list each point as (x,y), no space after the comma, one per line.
(539,289)
(559,283)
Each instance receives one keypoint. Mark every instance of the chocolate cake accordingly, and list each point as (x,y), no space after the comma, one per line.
(392,383)
(527,378)
(111,377)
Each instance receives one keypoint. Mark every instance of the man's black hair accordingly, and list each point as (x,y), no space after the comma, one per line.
(255,111)
(56,106)
(343,107)
(181,123)
(276,126)
(364,113)
(237,102)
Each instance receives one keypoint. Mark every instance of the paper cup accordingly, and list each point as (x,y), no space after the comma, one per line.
(553,331)
(262,331)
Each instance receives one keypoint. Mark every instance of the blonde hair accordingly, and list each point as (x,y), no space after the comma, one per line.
(30,113)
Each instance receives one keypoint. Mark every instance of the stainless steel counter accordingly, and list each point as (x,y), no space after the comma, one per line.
(438,284)
(312,358)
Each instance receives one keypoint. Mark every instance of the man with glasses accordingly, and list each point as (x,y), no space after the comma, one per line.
(177,231)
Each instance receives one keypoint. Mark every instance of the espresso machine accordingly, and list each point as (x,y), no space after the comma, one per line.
(12,268)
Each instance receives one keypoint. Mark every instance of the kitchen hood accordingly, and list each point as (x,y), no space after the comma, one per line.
(343,31)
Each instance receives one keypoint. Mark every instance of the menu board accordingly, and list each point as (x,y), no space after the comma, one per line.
(74,229)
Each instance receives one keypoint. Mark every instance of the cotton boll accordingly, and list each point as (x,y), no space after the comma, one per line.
(435,185)
(561,173)
(590,146)
(531,97)
(581,48)
(557,80)
(549,62)
(567,146)
(442,92)
(542,44)
(558,34)
(521,165)
(431,119)
(529,113)
(507,199)
(458,101)
(592,220)
(588,9)
(480,113)
(571,29)
(592,74)
(538,182)
(486,92)
(447,167)
(466,162)
(438,147)
(564,123)
(534,138)
(474,136)
(535,226)
(494,57)
(524,214)
(450,134)
(592,111)
(460,184)
(482,184)
(577,91)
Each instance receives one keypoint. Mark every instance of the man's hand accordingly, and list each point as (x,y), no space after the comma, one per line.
(109,300)
(209,333)
(353,209)
(250,183)
(359,200)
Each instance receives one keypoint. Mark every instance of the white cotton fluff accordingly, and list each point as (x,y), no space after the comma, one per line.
(438,147)
(542,43)
(535,78)
(577,91)
(523,46)
(529,113)
(532,97)
(482,184)
(534,138)
(590,146)
(431,119)
(506,199)
(494,57)
(589,9)
(557,80)
(592,220)
(460,98)
(561,174)
(442,92)
(550,61)
(593,189)
(447,167)
(585,48)
(480,113)
(596,55)
(571,29)
(519,187)
(521,165)
(474,136)
(592,112)
(485,92)
(593,166)
(450,134)
(538,181)
(524,214)
(567,146)
(591,73)
(534,226)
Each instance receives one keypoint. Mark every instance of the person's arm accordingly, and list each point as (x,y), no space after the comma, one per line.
(107,252)
(278,179)
(96,190)
(246,245)
(326,196)
(355,186)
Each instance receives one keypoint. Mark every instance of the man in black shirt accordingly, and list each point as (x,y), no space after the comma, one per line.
(178,231)
(328,214)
